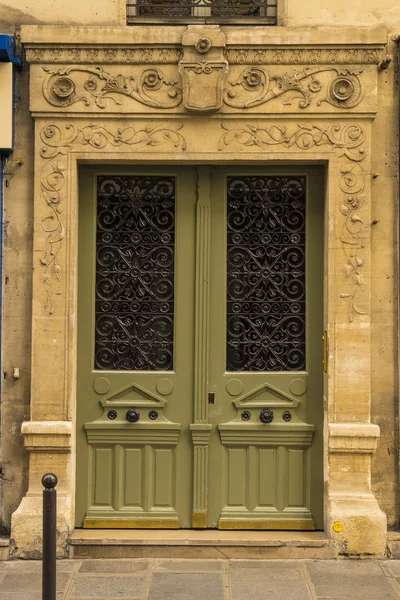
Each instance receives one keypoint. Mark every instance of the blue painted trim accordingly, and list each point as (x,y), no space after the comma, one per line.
(7,47)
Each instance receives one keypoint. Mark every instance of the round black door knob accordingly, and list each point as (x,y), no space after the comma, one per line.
(132,415)
(266,415)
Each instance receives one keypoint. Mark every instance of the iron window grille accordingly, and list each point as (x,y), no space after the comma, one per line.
(210,11)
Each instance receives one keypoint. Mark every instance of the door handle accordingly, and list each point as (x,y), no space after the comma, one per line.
(266,415)
(132,415)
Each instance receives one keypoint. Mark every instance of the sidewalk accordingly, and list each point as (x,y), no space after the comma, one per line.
(158,579)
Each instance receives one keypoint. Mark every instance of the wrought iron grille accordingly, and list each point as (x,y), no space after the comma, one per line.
(266,295)
(135,273)
(265,10)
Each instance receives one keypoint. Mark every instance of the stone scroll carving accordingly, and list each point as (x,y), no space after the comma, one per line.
(149,86)
(58,141)
(203,87)
(348,141)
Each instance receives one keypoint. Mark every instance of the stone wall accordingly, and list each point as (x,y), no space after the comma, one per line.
(18,226)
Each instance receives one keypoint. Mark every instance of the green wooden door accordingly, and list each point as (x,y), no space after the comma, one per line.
(142,421)
(265,349)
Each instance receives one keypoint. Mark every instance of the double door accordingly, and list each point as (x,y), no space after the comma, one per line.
(199,396)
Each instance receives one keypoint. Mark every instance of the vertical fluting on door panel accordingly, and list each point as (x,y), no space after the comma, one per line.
(200,428)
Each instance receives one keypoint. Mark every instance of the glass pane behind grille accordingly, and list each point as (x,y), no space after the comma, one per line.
(266,293)
(135,273)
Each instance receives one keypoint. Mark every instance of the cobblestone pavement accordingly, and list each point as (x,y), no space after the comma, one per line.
(158,579)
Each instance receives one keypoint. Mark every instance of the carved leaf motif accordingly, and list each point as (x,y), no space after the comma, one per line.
(356,219)
(348,270)
(344,210)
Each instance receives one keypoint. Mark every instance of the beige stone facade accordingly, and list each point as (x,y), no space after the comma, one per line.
(322,90)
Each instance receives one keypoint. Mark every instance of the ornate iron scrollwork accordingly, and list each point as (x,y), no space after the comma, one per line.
(135,273)
(266,274)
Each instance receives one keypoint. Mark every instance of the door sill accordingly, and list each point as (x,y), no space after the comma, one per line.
(212,544)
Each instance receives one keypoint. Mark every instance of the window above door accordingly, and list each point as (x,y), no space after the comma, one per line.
(210,11)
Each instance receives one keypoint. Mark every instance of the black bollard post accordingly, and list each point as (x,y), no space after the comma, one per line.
(49,482)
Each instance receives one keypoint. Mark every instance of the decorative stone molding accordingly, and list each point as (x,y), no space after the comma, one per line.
(47,436)
(359,438)
(108,55)
(167,55)
(304,56)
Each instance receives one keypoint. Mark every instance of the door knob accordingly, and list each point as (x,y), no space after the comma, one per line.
(132,415)
(266,415)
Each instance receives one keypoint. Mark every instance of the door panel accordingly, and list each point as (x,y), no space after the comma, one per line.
(265,349)
(135,347)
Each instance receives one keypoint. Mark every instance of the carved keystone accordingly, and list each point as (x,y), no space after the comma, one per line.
(203,68)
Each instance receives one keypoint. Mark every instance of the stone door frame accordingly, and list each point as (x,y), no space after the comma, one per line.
(339,136)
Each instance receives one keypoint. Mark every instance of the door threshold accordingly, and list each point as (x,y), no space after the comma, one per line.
(128,543)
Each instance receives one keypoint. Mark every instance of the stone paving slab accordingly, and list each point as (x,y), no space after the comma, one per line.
(273,581)
(358,580)
(179,579)
(108,586)
(133,567)
(182,586)
(190,566)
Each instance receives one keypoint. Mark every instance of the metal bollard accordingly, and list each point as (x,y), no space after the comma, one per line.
(49,482)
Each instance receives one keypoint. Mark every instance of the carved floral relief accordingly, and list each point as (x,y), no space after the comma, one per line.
(255,86)
(57,142)
(348,141)
(52,182)
(204,88)
(148,86)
